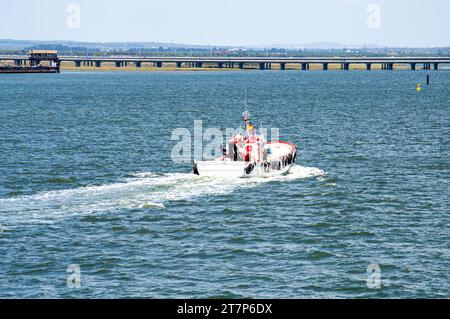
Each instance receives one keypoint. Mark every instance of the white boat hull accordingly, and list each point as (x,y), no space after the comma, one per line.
(236,169)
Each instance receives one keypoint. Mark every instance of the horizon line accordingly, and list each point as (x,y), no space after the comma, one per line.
(246,46)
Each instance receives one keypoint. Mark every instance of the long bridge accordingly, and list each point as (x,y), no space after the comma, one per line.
(262,63)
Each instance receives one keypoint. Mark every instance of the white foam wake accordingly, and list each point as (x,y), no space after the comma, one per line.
(144,190)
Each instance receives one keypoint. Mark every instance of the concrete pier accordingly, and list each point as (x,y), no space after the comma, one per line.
(262,63)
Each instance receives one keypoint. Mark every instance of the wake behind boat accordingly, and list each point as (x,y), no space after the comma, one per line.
(250,156)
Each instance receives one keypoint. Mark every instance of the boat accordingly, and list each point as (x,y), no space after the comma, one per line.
(249,155)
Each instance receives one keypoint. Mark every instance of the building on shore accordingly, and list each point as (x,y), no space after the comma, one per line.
(39,61)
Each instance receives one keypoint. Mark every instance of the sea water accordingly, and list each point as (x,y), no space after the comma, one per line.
(87,179)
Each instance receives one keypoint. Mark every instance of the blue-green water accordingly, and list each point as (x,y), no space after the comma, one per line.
(86,178)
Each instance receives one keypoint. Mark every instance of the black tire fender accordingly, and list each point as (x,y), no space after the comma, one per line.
(249,168)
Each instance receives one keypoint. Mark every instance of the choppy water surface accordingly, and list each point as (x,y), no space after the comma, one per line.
(86,178)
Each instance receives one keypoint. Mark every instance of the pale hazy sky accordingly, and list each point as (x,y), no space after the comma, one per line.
(417,23)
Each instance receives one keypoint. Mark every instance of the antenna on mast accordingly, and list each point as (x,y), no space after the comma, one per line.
(246,114)
(246,99)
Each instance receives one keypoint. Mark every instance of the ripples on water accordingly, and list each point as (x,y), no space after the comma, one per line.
(141,190)
(82,182)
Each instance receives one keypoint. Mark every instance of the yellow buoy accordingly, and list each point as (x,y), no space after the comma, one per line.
(418,87)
